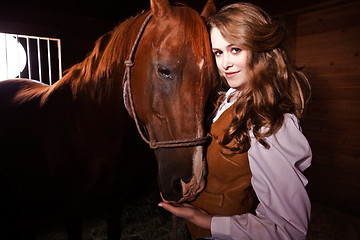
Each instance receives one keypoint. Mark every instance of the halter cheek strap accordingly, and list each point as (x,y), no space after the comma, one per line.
(129,103)
(127,99)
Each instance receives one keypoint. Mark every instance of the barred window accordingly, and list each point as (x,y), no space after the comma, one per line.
(37,58)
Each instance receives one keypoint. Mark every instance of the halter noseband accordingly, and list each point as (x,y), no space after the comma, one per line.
(152,143)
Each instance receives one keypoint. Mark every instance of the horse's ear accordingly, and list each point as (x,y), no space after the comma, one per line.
(160,8)
(208,10)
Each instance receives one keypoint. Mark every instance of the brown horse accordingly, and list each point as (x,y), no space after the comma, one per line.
(77,139)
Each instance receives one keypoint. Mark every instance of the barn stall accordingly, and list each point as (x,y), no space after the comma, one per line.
(324,39)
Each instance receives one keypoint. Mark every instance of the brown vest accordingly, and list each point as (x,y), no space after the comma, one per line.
(228,190)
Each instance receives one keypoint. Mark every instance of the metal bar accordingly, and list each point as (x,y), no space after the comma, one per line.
(28,56)
(39,59)
(59,57)
(6,58)
(49,60)
(18,55)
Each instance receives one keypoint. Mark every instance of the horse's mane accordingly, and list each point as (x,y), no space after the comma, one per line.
(93,75)
(90,75)
(106,59)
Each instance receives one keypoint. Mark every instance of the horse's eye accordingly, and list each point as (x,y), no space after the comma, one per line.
(164,72)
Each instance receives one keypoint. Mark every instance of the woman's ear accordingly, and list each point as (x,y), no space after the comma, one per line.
(208,10)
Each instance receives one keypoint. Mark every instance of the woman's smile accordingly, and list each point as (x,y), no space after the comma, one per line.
(229,75)
(231,59)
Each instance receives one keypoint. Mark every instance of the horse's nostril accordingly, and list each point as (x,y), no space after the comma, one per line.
(177,185)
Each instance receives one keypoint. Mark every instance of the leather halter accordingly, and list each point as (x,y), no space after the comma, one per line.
(127,83)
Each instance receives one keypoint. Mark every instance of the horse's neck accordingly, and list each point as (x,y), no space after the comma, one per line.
(99,78)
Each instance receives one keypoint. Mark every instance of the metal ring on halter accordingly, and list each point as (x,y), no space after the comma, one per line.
(152,143)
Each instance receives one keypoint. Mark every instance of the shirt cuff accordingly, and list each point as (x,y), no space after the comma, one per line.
(220,227)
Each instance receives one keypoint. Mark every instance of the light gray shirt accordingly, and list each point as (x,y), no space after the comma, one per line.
(284,208)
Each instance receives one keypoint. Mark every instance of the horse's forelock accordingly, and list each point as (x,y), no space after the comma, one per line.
(197,37)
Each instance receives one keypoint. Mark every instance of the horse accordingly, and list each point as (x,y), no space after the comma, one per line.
(78,139)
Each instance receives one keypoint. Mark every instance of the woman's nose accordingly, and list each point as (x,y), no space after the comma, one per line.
(226,61)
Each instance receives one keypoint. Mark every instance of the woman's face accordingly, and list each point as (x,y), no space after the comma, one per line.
(231,60)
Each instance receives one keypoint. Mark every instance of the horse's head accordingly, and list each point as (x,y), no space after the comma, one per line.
(172,78)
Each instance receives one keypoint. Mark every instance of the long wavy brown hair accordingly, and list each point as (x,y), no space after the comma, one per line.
(275,86)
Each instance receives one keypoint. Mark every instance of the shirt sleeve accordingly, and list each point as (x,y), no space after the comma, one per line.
(284,206)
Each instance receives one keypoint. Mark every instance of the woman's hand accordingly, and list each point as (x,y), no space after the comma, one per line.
(191,213)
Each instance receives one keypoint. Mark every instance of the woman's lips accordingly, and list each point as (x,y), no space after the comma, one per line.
(231,74)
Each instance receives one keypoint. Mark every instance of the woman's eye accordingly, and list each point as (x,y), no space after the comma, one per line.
(217,53)
(164,72)
(236,50)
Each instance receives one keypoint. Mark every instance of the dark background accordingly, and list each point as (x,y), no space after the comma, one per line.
(325,40)
(79,23)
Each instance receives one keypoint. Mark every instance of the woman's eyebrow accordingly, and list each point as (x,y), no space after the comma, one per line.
(231,45)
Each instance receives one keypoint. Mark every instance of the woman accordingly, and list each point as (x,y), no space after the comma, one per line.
(255,186)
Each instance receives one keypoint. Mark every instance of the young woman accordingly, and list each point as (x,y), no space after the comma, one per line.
(255,186)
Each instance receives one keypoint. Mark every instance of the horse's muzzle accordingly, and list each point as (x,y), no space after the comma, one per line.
(191,189)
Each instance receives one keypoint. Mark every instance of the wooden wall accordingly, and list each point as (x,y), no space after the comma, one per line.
(326,41)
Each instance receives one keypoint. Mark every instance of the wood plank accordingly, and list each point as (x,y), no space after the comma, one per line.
(349,69)
(335,42)
(332,123)
(350,154)
(328,123)
(333,177)
(335,123)
(320,25)
(332,138)
(338,17)
(345,162)
(353,150)
(339,11)
(334,60)
(339,189)
(333,110)
(329,94)
(349,33)
(334,80)
(344,198)
(333,76)
(338,106)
